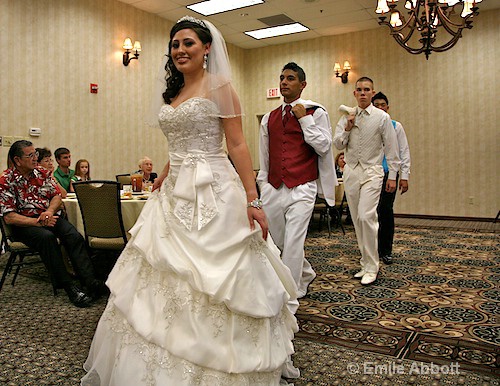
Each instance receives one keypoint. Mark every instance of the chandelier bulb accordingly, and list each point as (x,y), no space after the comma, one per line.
(467,8)
(411,4)
(382,7)
(395,19)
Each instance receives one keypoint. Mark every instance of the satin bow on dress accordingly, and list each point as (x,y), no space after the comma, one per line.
(193,191)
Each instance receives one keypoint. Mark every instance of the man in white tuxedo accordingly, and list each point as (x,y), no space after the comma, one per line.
(296,164)
(366,135)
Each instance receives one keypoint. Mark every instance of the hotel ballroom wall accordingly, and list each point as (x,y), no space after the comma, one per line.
(51,50)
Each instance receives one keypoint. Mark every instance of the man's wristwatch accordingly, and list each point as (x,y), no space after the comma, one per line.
(256,203)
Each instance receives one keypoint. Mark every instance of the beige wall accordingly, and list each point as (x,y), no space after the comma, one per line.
(53,49)
(448,106)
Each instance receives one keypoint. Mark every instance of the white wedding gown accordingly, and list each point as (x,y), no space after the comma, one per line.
(197,298)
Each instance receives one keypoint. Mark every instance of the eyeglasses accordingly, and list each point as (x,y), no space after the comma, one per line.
(31,155)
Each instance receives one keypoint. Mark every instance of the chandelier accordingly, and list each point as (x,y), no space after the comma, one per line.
(417,32)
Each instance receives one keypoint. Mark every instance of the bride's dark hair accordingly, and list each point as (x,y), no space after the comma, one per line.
(175,78)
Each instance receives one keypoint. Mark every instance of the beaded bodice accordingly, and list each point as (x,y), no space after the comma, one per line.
(194,125)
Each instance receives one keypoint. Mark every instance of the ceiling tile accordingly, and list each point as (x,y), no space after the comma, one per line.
(323,17)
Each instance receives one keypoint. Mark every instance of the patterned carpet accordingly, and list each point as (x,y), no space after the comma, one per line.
(431,314)
(439,302)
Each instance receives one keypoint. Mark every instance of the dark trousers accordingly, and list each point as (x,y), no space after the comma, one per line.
(386,219)
(44,241)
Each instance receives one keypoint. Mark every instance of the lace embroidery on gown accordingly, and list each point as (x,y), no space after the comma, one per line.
(197,298)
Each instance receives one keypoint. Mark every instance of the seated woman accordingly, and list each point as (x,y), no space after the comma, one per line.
(146,169)
(82,173)
(45,160)
(339,169)
(339,164)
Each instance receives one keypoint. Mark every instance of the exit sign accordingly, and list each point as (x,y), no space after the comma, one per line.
(273,93)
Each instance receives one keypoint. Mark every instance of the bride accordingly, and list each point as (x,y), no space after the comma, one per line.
(199,296)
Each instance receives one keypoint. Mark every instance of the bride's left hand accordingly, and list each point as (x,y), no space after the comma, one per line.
(258,215)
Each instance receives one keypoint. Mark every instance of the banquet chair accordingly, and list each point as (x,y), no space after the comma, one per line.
(101,211)
(340,205)
(322,208)
(123,179)
(17,251)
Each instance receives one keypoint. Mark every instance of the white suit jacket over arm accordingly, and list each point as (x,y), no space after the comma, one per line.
(341,137)
(262,177)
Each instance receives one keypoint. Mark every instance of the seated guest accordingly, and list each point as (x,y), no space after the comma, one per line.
(63,173)
(45,160)
(146,169)
(339,169)
(82,172)
(9,163)
(339,164)
(30,202)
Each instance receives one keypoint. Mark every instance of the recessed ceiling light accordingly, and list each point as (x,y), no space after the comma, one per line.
(277,31)
(211,7)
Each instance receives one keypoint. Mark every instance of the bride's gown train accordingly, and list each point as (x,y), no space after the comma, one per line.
(196,297)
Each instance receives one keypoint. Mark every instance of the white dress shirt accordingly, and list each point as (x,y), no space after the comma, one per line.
(404,151)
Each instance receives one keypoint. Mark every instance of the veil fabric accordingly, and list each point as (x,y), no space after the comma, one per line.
(218,87)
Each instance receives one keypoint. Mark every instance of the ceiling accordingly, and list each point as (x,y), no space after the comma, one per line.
(322,17)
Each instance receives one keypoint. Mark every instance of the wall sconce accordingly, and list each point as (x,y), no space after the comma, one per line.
(344,75)
(127,46)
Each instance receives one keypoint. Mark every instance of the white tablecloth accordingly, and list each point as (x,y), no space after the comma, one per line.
(130,212)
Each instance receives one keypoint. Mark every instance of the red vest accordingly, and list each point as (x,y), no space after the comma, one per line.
(291,160)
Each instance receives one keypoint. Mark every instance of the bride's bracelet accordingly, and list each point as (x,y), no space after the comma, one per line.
(256,203)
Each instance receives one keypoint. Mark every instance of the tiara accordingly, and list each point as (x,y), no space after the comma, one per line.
(192,20)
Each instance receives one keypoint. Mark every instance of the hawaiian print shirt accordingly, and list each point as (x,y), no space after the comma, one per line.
(28,197)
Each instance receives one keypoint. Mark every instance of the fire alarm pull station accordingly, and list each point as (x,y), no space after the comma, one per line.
(94,88)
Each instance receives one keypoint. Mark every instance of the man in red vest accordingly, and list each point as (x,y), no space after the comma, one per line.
(296,163)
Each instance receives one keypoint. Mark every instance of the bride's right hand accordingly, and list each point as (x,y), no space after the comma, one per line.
(159,180)
(157,184)
(258,215)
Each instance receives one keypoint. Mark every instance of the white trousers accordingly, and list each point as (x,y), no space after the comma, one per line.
(288,212)
(362,189)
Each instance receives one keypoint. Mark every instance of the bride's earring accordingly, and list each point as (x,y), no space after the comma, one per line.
(205,60)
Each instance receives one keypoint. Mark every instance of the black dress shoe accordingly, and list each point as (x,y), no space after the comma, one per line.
(97,288)
(387,259)
(77,296)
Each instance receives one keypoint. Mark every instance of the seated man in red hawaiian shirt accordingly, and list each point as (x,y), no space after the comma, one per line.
(30,202)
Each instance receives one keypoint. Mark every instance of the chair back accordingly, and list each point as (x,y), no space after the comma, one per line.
(8,241)
(4,246)
(6,233)
(101,209)
(339,195)
(123,179)
(18,251)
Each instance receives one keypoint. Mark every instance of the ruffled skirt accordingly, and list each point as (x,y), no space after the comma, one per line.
(195,307)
